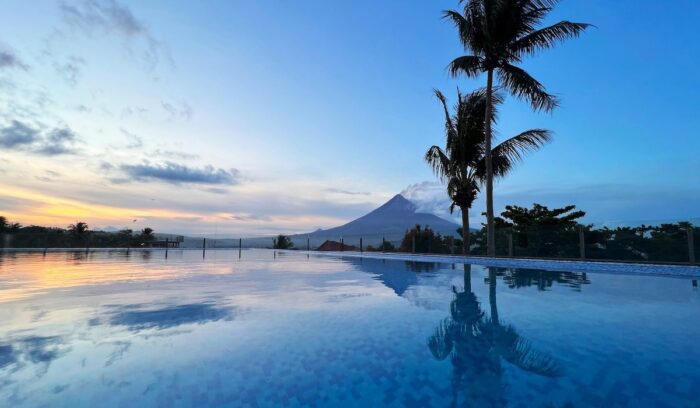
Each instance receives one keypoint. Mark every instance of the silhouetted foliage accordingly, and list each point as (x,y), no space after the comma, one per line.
(76,235)
(283,242)
(385,246)
(461,165)
(426,241)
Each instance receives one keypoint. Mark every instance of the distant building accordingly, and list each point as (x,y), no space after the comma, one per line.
(336,246)
(173,242)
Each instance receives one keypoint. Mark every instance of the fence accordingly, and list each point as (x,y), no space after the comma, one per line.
(664,242)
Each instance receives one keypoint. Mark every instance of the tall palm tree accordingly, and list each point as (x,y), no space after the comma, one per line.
(499,33)
(462,164)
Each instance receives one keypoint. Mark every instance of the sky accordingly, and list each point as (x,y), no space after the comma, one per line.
(252,118)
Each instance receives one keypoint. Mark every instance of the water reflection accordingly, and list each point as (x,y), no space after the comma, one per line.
(34,350)
(543,279)
(475,343)
(139,316)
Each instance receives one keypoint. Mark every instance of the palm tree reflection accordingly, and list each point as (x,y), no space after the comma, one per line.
(476,343)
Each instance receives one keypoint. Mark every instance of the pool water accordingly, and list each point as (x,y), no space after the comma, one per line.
(112,329)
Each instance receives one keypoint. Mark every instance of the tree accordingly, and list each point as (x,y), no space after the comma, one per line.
(147,235)
(6,226)
(283,242)
(541,231)
(499,33)
(425,240)
(462,164)
(78,229)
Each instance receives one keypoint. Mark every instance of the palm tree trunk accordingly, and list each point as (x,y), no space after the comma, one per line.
(492,297)
(490,228)
(467,277)
(465,230)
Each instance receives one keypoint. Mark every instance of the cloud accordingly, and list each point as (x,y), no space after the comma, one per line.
(133,141)
(58,142)
(8,59)
(20,136)
(346,192)
(108,15)
(111,17)
(178,110)
(176,173)
(70,70)
(174,154)
(17,135)
(430,197)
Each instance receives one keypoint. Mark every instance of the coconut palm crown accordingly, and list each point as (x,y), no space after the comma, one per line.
(499,34)
(462,164)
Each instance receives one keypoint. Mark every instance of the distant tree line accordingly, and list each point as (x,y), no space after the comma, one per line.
(541,232)
(76,235)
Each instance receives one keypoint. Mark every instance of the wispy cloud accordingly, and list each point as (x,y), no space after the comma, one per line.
(17,135)
(9,59)
(20,136)
(346,192)
(177,173)
(174,154)
(178,110)
(57,142)
(133,141)
(70,69)
(114,18)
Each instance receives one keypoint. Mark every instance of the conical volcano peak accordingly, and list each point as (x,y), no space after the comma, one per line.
(397,204)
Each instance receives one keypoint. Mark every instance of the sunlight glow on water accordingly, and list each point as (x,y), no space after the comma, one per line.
(107,329)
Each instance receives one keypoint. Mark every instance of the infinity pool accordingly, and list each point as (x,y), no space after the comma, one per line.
(111,329)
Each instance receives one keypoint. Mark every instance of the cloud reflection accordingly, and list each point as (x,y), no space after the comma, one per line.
(140,317)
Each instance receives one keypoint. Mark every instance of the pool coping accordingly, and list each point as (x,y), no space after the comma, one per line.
(528,263)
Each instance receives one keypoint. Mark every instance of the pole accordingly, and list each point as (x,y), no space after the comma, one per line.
(360,244)
(510,243)
(342,245)
(308,244)
(581,243)
(240,244)
(204,247)
(691,245)
(383,245)
(167,245)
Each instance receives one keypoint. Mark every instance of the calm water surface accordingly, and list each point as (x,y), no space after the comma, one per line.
(117,330)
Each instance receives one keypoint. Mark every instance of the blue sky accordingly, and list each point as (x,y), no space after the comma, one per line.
(271,116)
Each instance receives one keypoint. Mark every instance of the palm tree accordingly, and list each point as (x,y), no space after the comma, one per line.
(499,33)
(78,228)
(462,164)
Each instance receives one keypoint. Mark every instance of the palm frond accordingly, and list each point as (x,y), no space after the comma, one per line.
(449,124)
(511,151)
(439,162)
(440,343)
(469,65)
(462,25)
(522,355)
(547,37)
(523,86)
(515,147)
